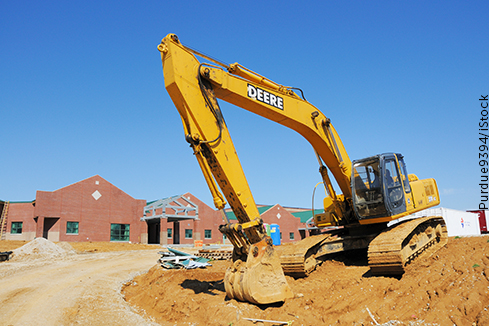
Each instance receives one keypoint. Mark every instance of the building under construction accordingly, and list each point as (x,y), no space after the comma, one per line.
(95,210)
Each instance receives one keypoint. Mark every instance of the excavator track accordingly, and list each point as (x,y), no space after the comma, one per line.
(301,258)
(391,251)
(298,259)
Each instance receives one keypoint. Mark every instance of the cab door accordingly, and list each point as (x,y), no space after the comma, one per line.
(405,180)
(392,185)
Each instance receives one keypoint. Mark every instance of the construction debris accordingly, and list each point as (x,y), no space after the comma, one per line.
(5,255)
(216,254)
(254,320)
(372,316)
(175,259)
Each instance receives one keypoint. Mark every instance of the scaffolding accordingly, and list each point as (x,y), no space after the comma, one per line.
(3,221)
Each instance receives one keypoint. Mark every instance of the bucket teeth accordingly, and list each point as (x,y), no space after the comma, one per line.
(260,279)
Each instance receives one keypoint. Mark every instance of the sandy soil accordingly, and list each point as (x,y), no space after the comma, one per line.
(83,286)
(83,247)
(70,288)
(449,288)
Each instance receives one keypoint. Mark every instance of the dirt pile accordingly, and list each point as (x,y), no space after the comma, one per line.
(38,248)
(67,247)
(449,288)
(84,247)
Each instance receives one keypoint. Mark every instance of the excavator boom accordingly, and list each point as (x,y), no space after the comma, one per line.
(256,275)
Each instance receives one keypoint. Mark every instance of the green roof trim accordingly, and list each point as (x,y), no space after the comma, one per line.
(303,216)
(306,215)
(261,210)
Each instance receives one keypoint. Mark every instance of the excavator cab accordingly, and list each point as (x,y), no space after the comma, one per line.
(380,186)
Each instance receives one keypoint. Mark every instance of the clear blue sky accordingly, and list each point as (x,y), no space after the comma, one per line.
(82,93)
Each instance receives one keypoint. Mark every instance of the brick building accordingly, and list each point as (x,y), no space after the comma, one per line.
(291,221)
(181,220)
(95,210)
(90,210)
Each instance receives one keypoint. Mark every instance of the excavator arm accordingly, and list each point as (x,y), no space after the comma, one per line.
(256,275)
(206,131)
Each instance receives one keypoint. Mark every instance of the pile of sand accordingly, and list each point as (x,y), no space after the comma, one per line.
(67,247)
(38,248)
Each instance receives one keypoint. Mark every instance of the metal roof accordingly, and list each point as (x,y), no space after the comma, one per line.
(181,211)
(303,215)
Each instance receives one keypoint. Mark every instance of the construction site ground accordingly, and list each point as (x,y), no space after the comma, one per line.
(109,284)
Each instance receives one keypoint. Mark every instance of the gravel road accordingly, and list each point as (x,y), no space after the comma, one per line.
(71,290)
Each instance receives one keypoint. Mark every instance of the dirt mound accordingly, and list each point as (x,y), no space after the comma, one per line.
(85,247)
(38,248)
(67,248)
(449,288)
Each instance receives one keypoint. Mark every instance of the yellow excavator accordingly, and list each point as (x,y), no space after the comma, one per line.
(375,190)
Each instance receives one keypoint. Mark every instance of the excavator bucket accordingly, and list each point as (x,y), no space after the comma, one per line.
(260,279)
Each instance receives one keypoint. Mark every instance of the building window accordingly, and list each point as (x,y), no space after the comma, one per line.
(16,228)
(71,227)
(119,232)
(207,234)
(168,233)
(188,233)
(291,235)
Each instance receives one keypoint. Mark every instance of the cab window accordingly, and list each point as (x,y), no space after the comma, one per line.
(405,176)
(368,200)
(392,183)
